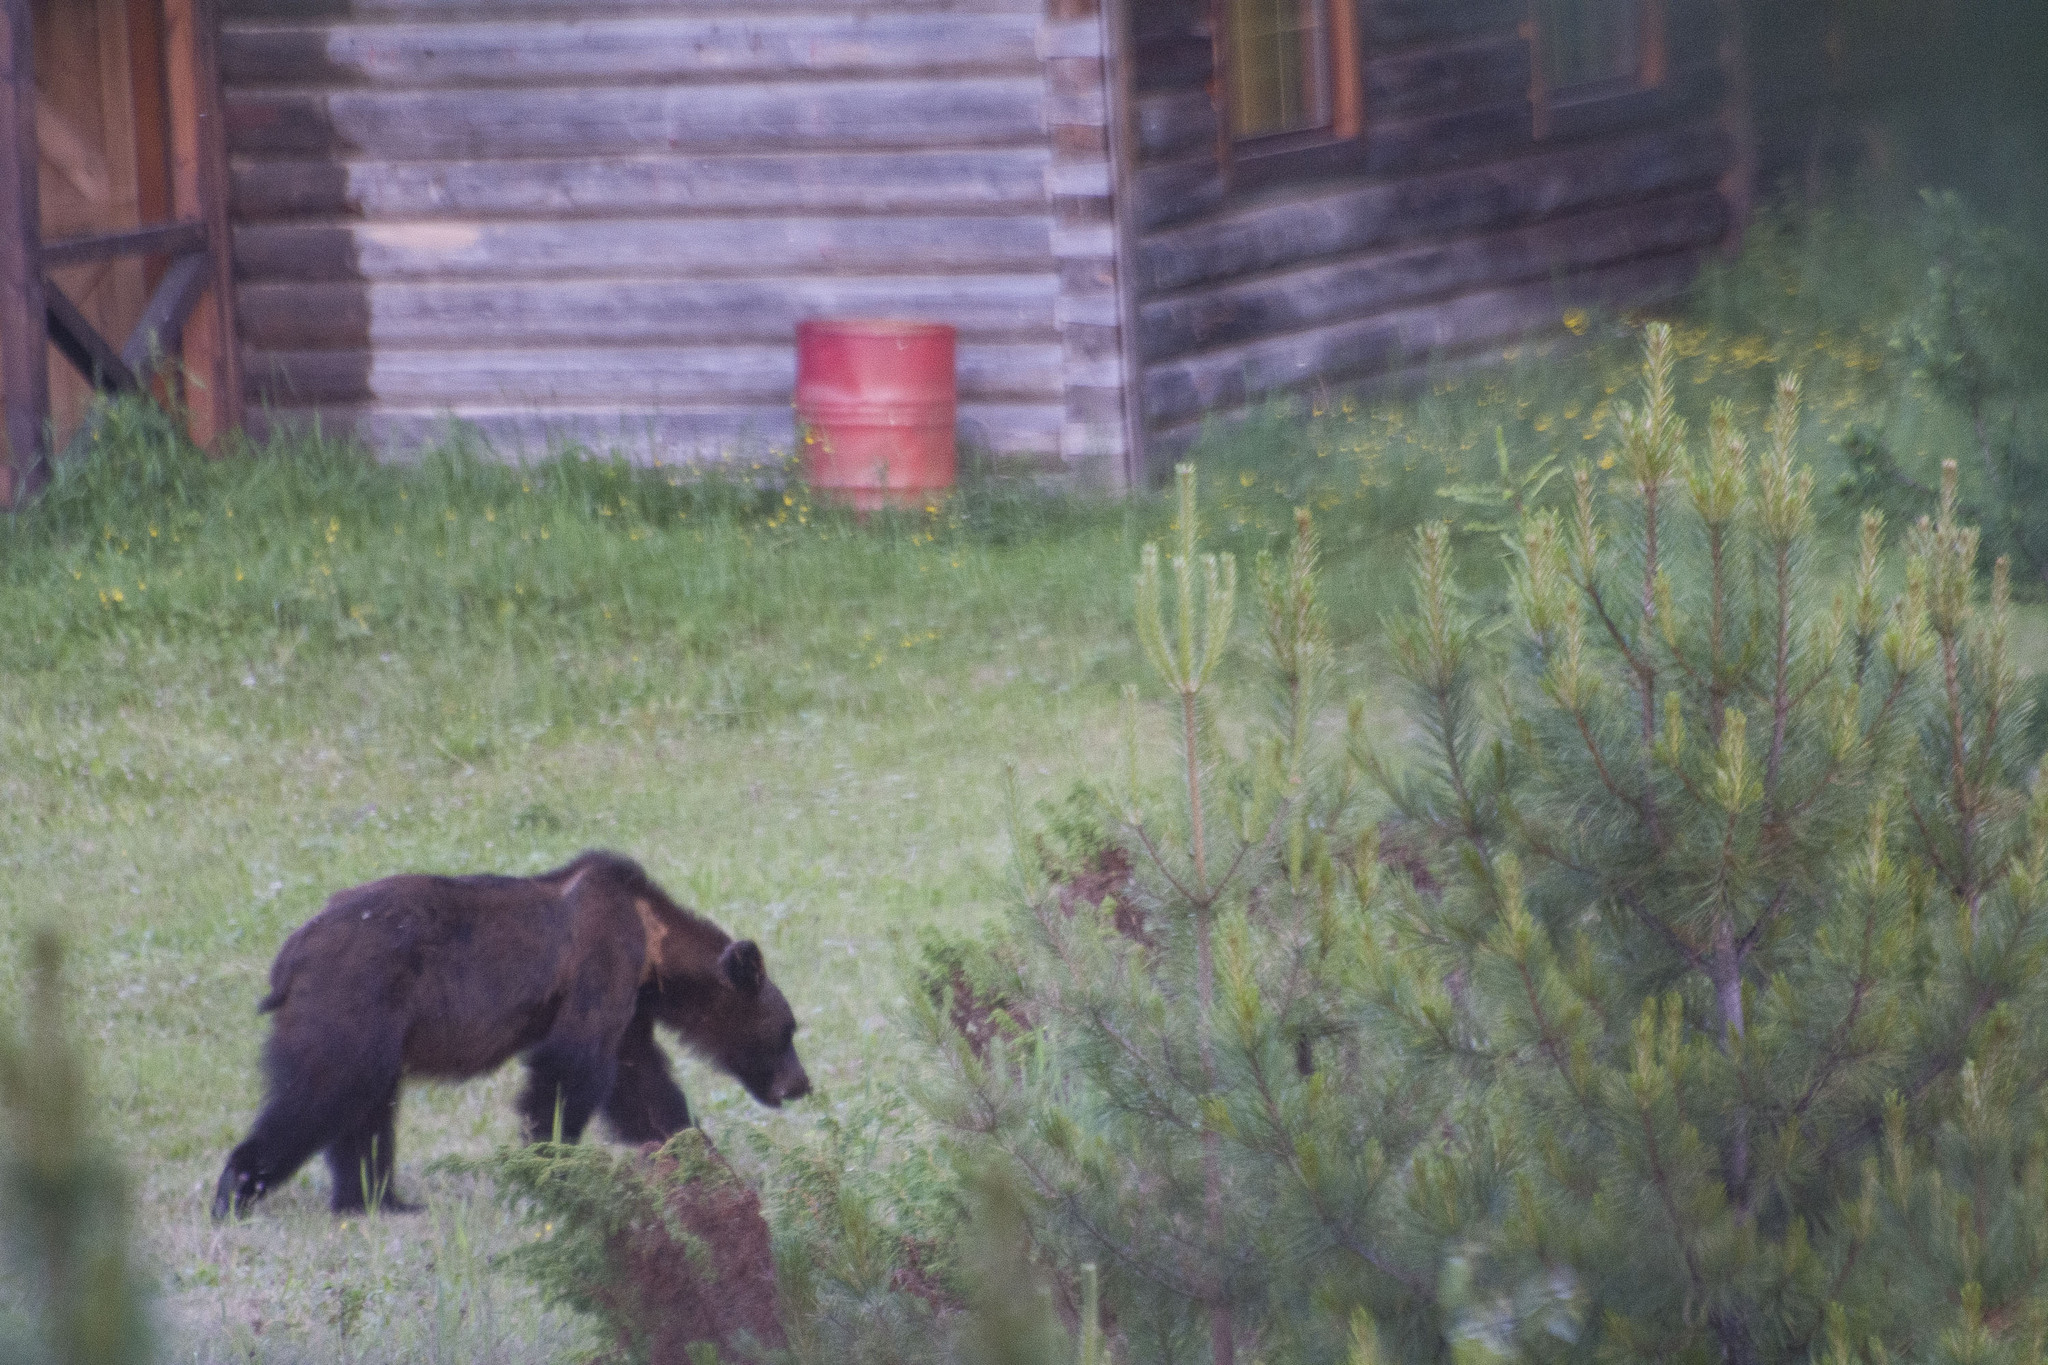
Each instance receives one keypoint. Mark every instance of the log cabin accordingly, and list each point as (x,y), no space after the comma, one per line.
(596,223)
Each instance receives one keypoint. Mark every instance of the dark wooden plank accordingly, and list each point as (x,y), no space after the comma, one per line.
(629,376)
(1400,23)
(1268,305)
(1152,18)
(161,328)
(24,348)
(1692,32)
(1464,75)
(1173,61)
(174,239)
(675,247)
(601,121)
(301,315)
(1175,123)
(847,182)
(80,343)
(619,51)
(1689,92)
(1168,192)
(1176,192)
(1183,391)
(1353,219)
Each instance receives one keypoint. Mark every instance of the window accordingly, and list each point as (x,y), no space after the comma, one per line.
(1588,48)
(1290,67)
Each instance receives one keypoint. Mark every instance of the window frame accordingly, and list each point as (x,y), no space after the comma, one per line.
(1652,66)
(1345,74)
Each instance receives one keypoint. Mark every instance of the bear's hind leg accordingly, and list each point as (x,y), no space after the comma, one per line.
(565,1084)
(645,1104)
(362,1160)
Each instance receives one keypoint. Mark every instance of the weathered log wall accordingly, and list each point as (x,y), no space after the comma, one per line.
(1448,226)
(600,221)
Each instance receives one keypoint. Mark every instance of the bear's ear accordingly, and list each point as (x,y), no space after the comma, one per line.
(741,963)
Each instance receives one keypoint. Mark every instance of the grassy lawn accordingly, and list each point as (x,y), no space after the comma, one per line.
(800,729)
(230,689)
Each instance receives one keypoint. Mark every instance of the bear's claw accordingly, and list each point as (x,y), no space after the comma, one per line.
(234,1195)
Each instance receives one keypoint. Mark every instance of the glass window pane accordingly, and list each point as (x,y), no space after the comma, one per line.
(1589,42)
(1279,66)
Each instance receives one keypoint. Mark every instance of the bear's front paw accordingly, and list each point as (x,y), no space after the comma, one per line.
(235,1193)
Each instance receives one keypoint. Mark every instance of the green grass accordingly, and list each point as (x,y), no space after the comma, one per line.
(230,688)
(318,672)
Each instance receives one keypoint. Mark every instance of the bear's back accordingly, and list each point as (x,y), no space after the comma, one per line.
(384,941)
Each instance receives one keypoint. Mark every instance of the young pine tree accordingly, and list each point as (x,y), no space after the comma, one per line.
(63,1200)
(1741,932)
(1180,1079)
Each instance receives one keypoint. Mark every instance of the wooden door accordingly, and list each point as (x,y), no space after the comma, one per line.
(101,161)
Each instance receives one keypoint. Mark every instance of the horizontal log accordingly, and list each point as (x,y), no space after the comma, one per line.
(668,434)
(1342,221)
(1182,60)
(1692,91)
(166,239)
(607,121)
(1434,80)
(1151,18)
(618,51)
(1174,192)
(1269,305)
(1693,32)
(1164,193)
(846,182)
(668,246)
(311,316)
(1182,391)
(646,376)
(1174,123)
(1401,23)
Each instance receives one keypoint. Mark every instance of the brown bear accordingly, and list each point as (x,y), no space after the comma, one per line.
(448,977)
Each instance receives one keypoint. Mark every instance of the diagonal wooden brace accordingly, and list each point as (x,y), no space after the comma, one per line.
(80,343)
(157,333)
(162,325)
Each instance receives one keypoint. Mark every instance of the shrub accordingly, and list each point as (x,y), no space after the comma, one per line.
(666,1248)
(1974,337)
(1689,1008)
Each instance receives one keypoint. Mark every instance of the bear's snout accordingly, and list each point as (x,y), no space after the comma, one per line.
(791,1082)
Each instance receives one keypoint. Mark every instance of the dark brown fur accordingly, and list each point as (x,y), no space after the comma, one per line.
(450,977)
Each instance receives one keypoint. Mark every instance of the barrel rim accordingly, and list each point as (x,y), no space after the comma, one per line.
(877,327)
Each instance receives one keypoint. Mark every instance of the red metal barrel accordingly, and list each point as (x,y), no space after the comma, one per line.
(875,403)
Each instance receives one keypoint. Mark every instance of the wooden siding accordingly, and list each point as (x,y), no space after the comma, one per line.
(602,222)
(1449,226)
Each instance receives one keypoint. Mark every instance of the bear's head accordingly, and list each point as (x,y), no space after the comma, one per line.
(755,1039)
(717,995)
